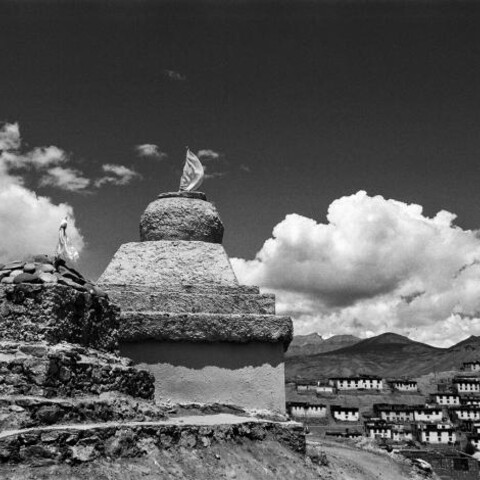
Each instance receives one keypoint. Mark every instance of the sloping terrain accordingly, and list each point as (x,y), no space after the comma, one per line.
(249,460)
(348,462)
(386,355)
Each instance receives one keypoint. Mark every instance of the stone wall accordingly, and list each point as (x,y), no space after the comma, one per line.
(66,370)
(74,445)
(205,328)
(56,313)
(18,412)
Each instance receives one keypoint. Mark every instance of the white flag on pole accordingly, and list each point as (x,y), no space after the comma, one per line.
(64,249)
(193,173)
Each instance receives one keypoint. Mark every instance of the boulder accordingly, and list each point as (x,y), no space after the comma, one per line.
(29,268)
(17,265)
(27,278)
(177,217)
(43,258)
(47,277)
(16,272)
(46,267)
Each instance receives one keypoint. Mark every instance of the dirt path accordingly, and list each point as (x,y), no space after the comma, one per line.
(349,463)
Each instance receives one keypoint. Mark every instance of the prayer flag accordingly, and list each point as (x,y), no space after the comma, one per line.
(193,173)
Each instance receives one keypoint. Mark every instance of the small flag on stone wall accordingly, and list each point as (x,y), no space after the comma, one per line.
(193,173)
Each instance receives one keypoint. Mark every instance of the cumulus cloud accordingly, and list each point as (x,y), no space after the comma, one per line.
(10,137)
(213,163)
(29,223)
(65,178)
(376,265)
(173,75)
(39,158)
(45,161)
(208,155)
(150,150)
(210,176)
(117,175)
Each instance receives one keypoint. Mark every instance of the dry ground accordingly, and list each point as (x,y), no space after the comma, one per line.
(347,462)
(249,460)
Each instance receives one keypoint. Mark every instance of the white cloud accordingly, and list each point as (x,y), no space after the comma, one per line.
(377,265)
(65,178)
(45,161)
(211,176)
(39,158)
(208,155)
(28,223)
(173,75)
(150,150)
(214,163)
(10,136)
(117,175)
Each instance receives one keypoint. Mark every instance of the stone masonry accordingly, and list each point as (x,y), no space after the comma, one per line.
(186,318)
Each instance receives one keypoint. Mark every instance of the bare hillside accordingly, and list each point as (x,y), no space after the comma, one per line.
(246,461)
(386,355)
(249,460)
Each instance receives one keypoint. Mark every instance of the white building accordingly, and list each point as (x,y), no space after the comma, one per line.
(427,414)
(470,400)
(474,440)
(446,398)
(306,387)
(467,385)
(471,366)
(378,430)
(304,410)
(404,385)
(357,383)
(394,412)
(325,388)
(436,434)
(401,433)
(345,414)
(467,412)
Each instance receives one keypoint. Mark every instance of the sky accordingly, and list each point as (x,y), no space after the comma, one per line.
(341,141)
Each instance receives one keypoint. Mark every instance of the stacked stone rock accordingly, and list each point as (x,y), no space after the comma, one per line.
(44,269)
(58,362)
(186,318)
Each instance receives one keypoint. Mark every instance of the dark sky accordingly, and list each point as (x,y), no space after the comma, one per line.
(316,100)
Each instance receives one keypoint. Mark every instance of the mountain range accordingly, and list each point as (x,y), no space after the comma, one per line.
(387,355)
(314,343)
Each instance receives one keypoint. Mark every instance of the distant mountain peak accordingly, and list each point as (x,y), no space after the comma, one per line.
(471,341)
(385,355)
(308,339)
(391,337)
(314,343)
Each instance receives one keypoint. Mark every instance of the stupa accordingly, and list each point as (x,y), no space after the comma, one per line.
(186,318)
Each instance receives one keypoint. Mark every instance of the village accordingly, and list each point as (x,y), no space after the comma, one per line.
(439,422)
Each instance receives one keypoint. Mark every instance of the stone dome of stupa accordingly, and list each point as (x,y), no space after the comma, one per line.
(181,216)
